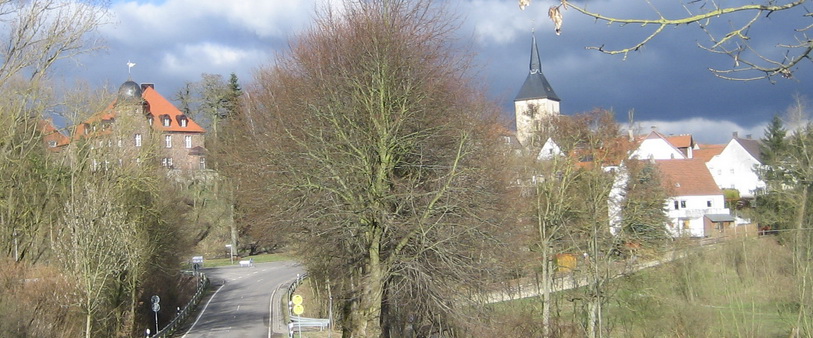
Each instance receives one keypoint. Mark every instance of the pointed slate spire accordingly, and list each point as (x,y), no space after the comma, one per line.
(536,65)
(536,86)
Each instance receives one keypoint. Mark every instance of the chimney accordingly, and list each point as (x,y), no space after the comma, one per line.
(144,86)
(735,134)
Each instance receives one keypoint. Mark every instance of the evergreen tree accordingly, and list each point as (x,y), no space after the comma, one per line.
(773,144)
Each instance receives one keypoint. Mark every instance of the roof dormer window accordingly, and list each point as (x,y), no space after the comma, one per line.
(183,121)
(165,120)
(149,119)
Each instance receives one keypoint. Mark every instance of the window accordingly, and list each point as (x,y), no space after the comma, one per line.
(118,142)
(52,144)
(732,171)
(166,162)
(202,163)
(149,119)
(708,204)
(184,121)
(677,206)
(683,204)
(168,141)
(187,141)
(137,140)
(165,120)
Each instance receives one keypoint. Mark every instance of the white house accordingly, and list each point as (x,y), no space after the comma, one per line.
(549,150)
(693,195)
(734,167)
(656,146)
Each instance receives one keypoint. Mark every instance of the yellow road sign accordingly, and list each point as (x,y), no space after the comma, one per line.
(298,309)
(297,299)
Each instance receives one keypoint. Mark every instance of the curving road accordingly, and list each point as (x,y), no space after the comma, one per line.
(245,301)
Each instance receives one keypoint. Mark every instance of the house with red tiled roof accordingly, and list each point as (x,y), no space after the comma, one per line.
(735,167)
(706,151)
(141,123)
(55,140)
(656,146)
(693,196)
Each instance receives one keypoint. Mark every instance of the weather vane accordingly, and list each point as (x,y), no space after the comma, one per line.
(130,65)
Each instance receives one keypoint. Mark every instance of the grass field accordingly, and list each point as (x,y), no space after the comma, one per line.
(737,289)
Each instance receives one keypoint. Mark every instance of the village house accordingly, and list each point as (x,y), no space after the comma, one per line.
(694,198)
(141,125)
(735,166)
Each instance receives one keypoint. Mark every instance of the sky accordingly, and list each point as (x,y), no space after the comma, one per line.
(666,84)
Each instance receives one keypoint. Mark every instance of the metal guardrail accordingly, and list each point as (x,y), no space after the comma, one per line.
(181,316)
(296,323)
(300,322)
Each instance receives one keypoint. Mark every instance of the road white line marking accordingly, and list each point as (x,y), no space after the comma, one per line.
(202,311)
(271,316)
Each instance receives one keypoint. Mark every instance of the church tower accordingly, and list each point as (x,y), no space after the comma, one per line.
(535,102)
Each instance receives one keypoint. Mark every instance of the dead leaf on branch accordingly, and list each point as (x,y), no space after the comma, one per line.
(556,16)
(523,4)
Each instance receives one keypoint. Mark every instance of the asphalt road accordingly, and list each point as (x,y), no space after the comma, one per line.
(246,301)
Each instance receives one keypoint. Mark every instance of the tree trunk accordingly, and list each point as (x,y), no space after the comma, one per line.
(547,276)
(88,324)
(365,321)
(801,259)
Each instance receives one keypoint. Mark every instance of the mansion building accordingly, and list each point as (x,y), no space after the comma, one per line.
(138,127)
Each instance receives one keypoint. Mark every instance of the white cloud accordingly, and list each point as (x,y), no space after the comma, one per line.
(209,58)
(703,130)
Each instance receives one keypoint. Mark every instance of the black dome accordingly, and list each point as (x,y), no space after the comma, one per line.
(130,91)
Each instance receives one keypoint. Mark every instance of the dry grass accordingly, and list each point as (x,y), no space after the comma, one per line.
(742,288)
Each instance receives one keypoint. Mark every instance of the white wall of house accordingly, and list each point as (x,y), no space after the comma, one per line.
(734,168)
(549,150)
(529,114)
(686,213)
(656,149)
(616,198)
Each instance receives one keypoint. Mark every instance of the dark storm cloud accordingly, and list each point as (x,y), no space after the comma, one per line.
(666,83)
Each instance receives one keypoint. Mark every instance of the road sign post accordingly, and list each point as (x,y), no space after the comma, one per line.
(155,308)
(298,310)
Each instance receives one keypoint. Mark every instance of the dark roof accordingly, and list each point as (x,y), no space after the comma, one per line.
(129,91)
(720,217)
(536,86)
(751,146)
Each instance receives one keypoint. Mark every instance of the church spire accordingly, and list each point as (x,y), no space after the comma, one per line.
(536,86)
(536,65)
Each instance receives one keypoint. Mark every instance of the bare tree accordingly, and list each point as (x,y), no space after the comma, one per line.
(379,144)
(94,228)
(42,32)
(732,30)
